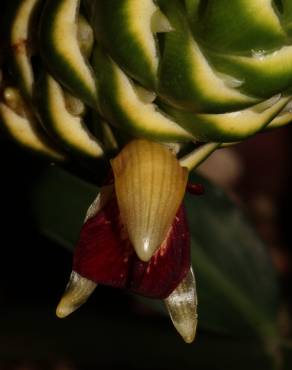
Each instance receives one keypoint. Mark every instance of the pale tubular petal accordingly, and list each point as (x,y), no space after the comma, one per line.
(74,106)
(103,197)
(182,307)
(150,185)
(68,128)
(85,36)
(78,290)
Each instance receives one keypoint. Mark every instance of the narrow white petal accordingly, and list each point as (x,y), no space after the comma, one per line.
(78,290)
(182,307)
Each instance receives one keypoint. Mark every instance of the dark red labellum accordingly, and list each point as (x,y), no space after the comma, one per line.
(105,255)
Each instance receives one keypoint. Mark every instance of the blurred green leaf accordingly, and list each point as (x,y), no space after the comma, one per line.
(59,201)
(236,279)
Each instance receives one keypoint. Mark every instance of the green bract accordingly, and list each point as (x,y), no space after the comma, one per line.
(174,71)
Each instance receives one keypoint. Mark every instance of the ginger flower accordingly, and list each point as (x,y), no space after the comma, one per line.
(135,236)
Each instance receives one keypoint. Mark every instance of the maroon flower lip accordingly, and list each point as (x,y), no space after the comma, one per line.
(105,255)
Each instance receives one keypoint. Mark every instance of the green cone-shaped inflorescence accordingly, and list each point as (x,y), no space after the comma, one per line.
(82,77)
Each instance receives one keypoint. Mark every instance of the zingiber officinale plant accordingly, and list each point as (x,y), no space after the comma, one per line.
(147,89)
